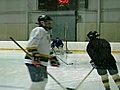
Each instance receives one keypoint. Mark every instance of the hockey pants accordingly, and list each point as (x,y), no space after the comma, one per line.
(38,77)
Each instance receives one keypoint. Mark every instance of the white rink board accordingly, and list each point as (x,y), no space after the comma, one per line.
(115,46)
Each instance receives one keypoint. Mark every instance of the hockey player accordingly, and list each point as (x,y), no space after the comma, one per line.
(57,43)
(99,51)
(39,48)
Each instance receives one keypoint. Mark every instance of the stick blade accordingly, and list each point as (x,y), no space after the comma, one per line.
(70,88)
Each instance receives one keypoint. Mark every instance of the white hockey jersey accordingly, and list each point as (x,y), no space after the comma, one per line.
(39,38)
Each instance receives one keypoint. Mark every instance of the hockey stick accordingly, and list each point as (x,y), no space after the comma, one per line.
(61,59)
(82,80)
(31,58)
(21,47)
(65,62)
(58,82)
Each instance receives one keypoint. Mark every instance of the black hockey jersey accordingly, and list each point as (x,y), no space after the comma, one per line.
(99,51)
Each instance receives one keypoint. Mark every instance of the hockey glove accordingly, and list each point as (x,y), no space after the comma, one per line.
(93,64)
(54,62)
(36,59)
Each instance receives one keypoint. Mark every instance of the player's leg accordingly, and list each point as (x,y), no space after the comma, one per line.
(38,76)
(104,77)
(114,73)
(61,50)
(38,85)
(55,49)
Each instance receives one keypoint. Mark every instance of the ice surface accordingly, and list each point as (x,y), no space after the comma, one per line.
(14,74)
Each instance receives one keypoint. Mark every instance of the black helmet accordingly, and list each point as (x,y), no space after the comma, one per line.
(92,34)
(43,18)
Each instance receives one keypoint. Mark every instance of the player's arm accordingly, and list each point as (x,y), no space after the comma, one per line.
(92,55)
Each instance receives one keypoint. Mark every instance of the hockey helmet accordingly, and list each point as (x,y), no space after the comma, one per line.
(93,34)
(43,18)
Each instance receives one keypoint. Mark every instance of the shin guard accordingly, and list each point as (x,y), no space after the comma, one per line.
(116,79)
(105,80)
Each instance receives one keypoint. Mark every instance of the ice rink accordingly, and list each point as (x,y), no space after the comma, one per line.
(14,74)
